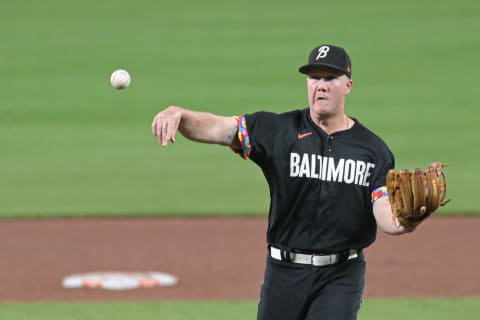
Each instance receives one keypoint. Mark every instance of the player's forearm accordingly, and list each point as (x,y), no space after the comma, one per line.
(207,127)
(194,125)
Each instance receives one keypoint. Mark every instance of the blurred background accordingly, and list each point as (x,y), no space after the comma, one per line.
(73,145)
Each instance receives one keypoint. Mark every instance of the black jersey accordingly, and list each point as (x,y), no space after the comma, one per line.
(320,185)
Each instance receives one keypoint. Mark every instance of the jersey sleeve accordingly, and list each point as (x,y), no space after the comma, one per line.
(256,134)
(379,179)
(243,138)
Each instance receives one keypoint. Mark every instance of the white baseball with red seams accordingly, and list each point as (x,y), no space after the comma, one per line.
(120,79)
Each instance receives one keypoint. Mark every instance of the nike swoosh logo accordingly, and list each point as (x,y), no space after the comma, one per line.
(303,135)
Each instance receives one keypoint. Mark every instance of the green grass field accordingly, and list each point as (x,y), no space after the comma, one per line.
(73,146)
(372,309)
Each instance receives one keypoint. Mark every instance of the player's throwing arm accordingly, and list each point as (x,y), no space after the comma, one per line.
(197,126)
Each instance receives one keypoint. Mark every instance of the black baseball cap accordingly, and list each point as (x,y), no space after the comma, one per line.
(329,56)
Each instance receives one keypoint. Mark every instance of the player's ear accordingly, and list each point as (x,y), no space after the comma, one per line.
(348,86)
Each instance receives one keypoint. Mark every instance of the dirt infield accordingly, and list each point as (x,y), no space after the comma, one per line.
(218,258)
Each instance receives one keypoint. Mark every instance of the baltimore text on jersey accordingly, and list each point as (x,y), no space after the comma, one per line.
(324,168)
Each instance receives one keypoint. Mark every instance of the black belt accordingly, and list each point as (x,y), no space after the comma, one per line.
(318,260)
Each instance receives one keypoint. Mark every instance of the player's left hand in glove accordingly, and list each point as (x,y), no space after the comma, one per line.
(414,195)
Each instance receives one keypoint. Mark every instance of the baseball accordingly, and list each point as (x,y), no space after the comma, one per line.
(120,79)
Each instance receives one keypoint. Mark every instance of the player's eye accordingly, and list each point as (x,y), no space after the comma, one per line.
(329,77)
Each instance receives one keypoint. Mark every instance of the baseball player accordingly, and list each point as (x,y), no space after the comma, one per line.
(326,174)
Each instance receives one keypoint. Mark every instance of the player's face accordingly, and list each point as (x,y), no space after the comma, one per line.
(327,89)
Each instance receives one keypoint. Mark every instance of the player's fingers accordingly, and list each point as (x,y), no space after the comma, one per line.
(172,130)
(171,135)
(163,139)
(154,126)
(159,133)
(159,123)
(437,166)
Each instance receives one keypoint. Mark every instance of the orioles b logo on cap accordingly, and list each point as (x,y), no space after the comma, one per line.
(322,52)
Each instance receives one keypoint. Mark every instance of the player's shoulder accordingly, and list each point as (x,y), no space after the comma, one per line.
(368,136)
(277,117)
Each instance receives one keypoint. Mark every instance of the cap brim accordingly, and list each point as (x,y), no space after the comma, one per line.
(308,68)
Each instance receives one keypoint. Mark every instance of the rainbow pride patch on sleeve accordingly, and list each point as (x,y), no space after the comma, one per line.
(243,137)
(378,193)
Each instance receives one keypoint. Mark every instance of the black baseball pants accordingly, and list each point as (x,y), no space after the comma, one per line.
(304,292)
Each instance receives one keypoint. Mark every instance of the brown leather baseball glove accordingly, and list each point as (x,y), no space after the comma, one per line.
(414,195)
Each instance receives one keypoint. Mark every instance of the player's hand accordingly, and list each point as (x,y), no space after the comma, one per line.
(165,124)
(402,229)
(438,166)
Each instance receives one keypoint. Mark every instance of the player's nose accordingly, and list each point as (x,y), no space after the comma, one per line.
(321,85)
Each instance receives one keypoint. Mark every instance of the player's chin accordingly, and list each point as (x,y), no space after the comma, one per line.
(320,108)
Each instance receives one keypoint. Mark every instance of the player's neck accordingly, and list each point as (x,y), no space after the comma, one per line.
(331,124)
